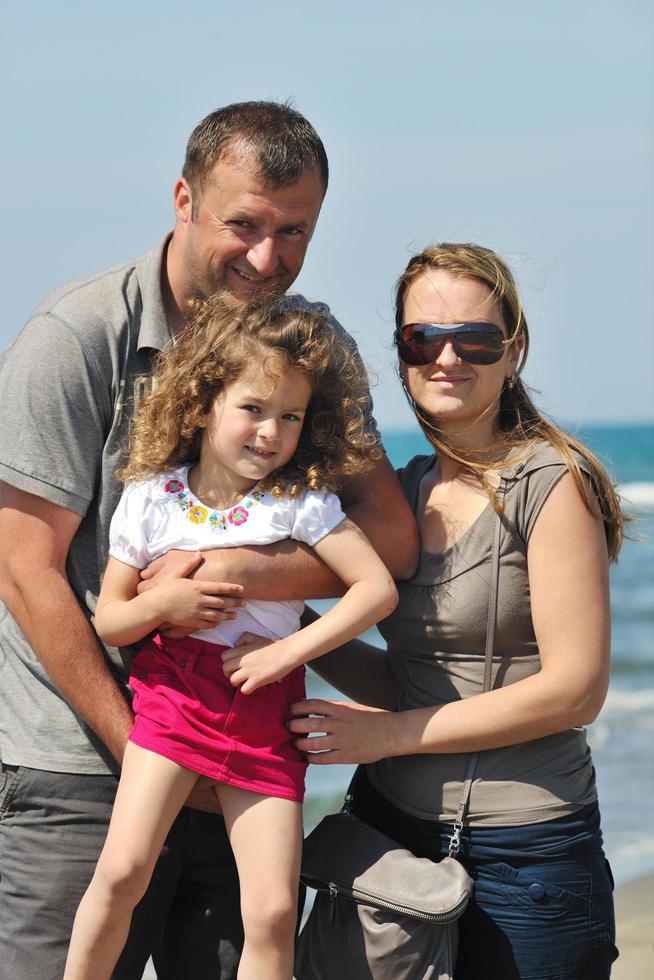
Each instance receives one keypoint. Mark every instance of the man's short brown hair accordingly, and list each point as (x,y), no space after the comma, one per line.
(280,139)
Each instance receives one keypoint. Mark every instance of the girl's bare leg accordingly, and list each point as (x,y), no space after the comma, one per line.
(150,794)
(266,836)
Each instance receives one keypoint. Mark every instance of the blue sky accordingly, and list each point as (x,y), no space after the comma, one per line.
(528,127)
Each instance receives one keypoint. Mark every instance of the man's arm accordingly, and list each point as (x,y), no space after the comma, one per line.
(289,570)
(376,502)
(36,536)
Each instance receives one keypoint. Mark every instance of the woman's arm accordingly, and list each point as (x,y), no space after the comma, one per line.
(371,596)
(568,578)
(124,617)
(359,670)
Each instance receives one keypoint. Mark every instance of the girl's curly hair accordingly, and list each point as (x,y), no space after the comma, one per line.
(224,340)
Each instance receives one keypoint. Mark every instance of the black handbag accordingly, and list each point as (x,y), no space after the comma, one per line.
(380,912)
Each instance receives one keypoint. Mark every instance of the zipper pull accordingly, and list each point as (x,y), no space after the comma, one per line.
(333,894)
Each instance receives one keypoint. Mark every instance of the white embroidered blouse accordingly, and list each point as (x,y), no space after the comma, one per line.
(157,515)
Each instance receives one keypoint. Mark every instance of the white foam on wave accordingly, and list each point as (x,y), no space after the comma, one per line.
(638,495)
(630,851)
(598,735)
(639,846)
(629,700)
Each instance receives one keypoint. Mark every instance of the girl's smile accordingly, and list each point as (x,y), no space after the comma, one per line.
(252,428)
(260,453)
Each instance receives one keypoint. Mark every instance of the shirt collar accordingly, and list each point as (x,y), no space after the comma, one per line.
(154,331)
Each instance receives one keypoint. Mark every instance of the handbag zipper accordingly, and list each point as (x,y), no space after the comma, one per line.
(359,896)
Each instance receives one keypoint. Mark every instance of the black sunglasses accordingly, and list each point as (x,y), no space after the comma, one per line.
(476,343)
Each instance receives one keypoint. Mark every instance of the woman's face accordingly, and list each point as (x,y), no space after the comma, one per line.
(462,397)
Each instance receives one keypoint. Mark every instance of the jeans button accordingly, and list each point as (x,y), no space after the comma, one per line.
(536,891)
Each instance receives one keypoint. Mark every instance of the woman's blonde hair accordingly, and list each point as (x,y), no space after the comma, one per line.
(219,345)
(519,423)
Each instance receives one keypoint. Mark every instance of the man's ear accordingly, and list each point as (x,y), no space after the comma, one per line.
(183,201)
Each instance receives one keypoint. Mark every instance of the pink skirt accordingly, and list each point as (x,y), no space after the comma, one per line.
(187,710)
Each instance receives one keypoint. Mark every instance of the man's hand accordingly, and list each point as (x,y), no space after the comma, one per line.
(203,797)
(256,661)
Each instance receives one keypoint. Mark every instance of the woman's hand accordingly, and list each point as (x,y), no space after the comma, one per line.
(349,733)
(255,661)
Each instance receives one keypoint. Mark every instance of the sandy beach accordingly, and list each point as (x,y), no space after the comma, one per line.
(634,906)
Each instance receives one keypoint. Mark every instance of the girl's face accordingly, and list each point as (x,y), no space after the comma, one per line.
(254,425)
(462,397)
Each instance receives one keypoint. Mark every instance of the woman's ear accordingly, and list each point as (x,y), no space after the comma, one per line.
(514,357)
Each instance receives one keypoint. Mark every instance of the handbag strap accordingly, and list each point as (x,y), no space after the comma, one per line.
(491,620)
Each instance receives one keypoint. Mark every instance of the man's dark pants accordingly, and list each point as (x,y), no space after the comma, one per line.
(52,828)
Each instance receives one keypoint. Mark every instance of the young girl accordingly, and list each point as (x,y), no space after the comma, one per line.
(256,414)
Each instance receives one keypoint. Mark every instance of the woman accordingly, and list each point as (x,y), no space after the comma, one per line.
(542,904)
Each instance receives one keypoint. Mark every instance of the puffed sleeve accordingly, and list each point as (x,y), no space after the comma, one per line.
(129,530)
(315,515)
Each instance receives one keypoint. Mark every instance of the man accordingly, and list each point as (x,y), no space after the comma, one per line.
(246,206)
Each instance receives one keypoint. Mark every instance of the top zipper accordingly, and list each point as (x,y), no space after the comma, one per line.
(358,896)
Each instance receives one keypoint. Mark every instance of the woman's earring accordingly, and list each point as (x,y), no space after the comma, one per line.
(510,382)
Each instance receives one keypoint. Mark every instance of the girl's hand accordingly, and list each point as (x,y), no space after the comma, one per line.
(348,733)
(196,605)
(256,661)
(172,565)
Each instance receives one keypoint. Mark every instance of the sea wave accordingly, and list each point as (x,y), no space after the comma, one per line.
(629,700)
(628,666)
(638,495)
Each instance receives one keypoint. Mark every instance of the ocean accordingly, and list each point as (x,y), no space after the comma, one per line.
(622,737)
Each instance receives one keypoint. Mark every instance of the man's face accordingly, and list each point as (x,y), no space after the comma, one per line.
(240,235)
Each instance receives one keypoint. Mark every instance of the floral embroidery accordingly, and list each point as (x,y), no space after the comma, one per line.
(218,521)
(199,514)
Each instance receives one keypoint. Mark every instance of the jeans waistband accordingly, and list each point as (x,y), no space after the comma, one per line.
(187,649)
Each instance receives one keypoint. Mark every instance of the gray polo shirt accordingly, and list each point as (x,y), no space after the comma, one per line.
(68,386)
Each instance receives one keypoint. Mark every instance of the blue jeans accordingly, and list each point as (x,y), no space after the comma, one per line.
(542,905)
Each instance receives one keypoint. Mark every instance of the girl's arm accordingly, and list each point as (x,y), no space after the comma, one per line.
(568,579)
(371,596)
(124,617)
